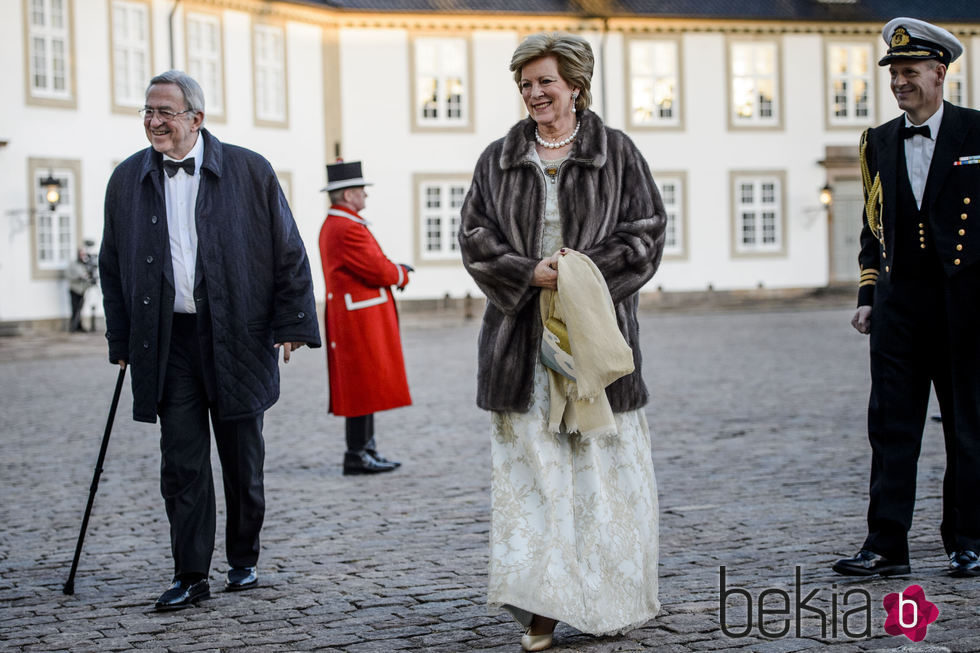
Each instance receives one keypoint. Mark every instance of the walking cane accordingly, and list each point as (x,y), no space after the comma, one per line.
(70,583)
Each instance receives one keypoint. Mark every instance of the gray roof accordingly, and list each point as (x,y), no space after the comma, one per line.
(843,10)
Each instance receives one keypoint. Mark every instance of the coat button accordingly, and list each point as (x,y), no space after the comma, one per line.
(301,315)
(959,248)
(921,232)
(922,239)
(146,344)
(333,345)
(884,255)
(962,216)
(887,269)
(956,261)
(921,226)
(154,220)
(146,300)
(962,232)
(329,295)
(149,259)
(922,246)
(966,200)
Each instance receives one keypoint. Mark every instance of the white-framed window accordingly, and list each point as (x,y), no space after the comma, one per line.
(850,82)
(49,49)
(131,57)
(54,230)
(269,60)
(441,82)
(759,213)
(654,74)
(205,60)
(672,191)
(440,201)
(754,79)
(954,89)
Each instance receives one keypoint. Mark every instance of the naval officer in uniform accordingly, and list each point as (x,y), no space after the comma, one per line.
(919,299)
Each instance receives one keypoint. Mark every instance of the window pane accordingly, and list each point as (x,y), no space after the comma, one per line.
(441,81)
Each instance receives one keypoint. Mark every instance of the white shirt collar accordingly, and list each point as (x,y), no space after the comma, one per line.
(197,152)
(933,122)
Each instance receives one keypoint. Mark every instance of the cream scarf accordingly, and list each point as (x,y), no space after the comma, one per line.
(598,349)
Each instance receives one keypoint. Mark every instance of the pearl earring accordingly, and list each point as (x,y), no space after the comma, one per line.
(574,97)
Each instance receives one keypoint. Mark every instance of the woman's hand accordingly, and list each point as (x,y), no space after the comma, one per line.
(546,273)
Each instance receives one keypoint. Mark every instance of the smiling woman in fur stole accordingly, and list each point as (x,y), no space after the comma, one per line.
(563,224)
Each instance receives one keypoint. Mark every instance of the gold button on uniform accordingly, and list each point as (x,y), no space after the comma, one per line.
(887,269)
(922,239)
(959,248)
(922,246)
(921,226)
(962,232)
(966,200)
(956,261)
(962,216)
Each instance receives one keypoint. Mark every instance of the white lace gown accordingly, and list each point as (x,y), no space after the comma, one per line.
(574,533)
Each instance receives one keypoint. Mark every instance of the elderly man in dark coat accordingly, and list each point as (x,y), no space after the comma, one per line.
(204,277)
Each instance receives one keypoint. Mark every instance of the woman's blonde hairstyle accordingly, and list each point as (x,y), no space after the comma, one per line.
(575,61)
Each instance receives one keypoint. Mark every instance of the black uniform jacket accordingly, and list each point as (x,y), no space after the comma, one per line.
(950,213)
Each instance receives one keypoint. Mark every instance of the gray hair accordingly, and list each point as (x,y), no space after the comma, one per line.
(337,195)
(193,94)
(575,61)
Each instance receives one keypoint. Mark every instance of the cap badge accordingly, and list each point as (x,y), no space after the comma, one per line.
(900,37)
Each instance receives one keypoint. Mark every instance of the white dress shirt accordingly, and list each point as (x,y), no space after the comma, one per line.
(918,154)
(181,195)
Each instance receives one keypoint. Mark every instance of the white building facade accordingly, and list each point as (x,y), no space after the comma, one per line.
(742,123)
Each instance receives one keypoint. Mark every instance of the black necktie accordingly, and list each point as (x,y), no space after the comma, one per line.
(188,165)
(909,132)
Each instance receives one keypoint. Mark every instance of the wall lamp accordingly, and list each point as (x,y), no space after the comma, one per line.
(826,195)
(52,190)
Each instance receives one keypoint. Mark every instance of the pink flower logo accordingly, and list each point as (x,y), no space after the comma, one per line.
(909,613)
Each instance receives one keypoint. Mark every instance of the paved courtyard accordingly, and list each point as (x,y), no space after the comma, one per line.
(758,419)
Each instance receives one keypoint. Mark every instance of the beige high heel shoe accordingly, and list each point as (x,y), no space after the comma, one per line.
(531,642)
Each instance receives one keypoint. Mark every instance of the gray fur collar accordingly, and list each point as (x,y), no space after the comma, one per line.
(589,148)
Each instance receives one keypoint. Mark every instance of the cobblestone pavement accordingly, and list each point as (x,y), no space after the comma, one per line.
(761,457)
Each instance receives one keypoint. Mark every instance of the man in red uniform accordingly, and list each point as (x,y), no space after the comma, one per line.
(364,352)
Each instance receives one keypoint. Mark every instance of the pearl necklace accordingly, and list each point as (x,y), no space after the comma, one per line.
(554,145)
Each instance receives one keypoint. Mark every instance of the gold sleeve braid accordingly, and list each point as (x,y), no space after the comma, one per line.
(873,199)
(869,277)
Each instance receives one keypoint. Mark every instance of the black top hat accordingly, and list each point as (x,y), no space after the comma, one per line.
(911,38)
(344,175)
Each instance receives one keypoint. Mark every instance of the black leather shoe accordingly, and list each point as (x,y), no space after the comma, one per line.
(964,564)
(183,594)
(241,578)
(869,563)
(361,462)
(381,459)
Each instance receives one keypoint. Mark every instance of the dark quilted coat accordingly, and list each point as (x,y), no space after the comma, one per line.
(257,288)
(611,211)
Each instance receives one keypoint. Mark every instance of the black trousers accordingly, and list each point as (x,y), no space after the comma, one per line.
(75,323)
(924,332)
(185,472)
(360,433)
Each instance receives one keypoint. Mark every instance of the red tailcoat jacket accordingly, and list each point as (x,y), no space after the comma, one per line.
(364,352)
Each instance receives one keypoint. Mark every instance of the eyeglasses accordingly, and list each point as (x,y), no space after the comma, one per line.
(163,114)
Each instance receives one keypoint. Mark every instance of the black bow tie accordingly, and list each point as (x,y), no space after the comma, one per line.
(188,165)
(909,132)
